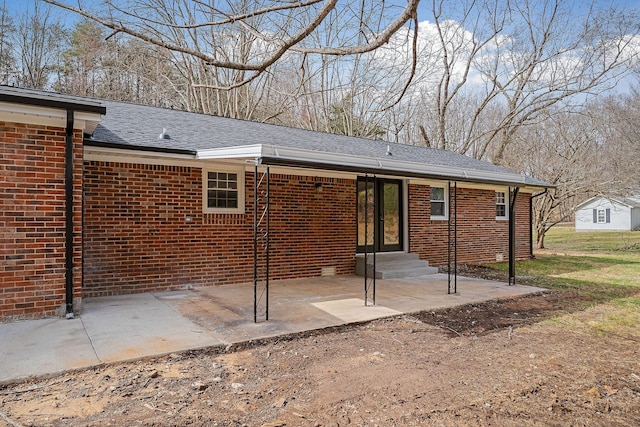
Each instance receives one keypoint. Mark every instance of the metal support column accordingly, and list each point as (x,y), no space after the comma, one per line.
(369,269)
(260,244)
(452,236)
(512,235)
(68,207)
(455,237)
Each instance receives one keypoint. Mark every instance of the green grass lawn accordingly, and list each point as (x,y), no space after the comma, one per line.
(597,271)
(567,239)
(602,266)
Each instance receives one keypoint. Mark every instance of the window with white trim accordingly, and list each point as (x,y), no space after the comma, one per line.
(223,191)
(438,197)
(501,205)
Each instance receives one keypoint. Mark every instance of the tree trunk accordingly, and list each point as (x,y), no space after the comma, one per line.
(540,238)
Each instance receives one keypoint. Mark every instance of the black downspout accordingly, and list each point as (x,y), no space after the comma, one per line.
(531,255)
(69,213)
(512,236)
(448,237)
(455,237)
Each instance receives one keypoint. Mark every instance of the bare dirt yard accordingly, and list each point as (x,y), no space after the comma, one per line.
(537,360)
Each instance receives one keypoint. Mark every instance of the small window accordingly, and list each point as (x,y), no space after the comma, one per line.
(602,218)
(438,203)
(223,191)
(501,205)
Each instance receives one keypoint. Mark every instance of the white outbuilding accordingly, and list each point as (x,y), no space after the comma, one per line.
(608,214)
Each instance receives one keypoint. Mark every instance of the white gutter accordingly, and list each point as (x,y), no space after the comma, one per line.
(239,152)
(349,160)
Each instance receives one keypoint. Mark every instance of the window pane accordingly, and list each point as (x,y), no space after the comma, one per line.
(437,194)
(437,208)
(222,190)
(501,204)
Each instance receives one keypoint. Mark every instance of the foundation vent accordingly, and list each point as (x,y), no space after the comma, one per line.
(328,271)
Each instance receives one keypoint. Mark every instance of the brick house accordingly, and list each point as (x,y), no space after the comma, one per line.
(164,199)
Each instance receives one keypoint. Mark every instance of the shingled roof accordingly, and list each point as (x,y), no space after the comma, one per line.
(139,127)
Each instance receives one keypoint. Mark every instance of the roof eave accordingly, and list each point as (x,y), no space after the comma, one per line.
(295,157)
(58,102)
(96,143)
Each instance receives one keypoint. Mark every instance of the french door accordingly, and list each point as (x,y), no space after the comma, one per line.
(380,215)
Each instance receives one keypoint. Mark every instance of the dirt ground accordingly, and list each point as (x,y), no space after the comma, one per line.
(528,361)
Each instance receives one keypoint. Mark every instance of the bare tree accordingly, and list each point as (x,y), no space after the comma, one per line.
(7,58)
(591,152)
(281,28)
(563,150)
(618,122)
(134,71)
(38,42)
(508,62)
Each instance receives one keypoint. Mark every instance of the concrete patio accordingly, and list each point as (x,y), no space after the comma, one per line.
(129,327)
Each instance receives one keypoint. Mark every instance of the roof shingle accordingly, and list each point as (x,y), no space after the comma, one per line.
(138,126)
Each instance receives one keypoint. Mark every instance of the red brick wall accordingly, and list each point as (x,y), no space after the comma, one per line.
(137,239)
(480,235)
(32,219)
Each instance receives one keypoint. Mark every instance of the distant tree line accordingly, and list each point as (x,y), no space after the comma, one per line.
(536,85)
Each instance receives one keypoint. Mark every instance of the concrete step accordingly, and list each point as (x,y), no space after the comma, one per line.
(396,265)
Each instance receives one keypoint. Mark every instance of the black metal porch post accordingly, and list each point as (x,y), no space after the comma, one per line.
(512,235)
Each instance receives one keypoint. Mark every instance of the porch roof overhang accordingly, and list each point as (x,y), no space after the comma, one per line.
(387,166)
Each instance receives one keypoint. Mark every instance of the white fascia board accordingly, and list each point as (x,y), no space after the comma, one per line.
(453,172)
(340,159)
(46,116)
(474,185)
(239,152)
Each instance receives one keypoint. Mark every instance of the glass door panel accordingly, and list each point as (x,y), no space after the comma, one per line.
(366,213)
(380,215)
(391,214)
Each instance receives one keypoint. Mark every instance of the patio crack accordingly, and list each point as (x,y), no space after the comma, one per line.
(90,340)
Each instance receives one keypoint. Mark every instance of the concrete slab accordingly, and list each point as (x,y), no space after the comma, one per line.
(37,347)
(132,326)
(353,310)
